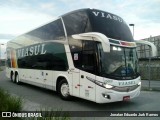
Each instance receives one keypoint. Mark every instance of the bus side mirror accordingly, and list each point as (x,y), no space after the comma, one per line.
(153,47)
(95,36)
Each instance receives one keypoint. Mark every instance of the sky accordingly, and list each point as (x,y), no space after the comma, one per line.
(20,16)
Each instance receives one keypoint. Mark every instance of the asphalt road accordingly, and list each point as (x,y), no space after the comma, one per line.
(36,98)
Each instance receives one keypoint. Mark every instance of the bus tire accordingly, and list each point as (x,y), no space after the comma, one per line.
(63,90)
(12,76)
(17,81)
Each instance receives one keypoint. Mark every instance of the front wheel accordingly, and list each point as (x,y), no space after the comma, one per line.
(63,90)
(17,79)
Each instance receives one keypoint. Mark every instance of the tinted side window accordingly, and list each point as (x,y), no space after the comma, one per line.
(51,57)
(77,22)
(76,51)
(51,31)
(84,55)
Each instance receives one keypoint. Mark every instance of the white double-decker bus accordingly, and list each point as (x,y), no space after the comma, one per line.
(86,53)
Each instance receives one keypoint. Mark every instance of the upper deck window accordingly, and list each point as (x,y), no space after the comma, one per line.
(77,22)
(91,20)
(51,31)
(110,25)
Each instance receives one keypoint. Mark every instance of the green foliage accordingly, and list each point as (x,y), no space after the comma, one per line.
(51,118)
(9,103)
(52,115)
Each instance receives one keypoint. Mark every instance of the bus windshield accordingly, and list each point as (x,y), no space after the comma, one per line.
(120,63)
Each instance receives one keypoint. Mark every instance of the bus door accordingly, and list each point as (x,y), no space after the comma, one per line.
(84,58)
(87,74)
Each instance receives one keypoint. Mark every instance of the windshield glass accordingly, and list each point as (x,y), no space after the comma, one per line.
(110,25)
(120,63)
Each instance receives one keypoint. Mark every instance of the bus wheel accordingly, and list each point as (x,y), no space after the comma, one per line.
(17,79)
(63,90)
(12,77)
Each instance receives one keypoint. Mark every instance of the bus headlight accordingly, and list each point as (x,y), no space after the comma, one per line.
(102,84)
(139,83)
(108,86)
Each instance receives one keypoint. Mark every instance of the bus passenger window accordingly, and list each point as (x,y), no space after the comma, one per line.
(84,54)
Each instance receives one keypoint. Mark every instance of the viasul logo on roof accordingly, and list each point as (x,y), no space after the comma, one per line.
(108,16)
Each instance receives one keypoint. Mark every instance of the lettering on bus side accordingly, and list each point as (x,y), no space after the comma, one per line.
(124,83)
(33,50)
(107,16)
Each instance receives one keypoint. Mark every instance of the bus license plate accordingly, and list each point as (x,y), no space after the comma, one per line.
(126,98)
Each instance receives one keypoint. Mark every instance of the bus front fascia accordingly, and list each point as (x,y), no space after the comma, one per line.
(94,36)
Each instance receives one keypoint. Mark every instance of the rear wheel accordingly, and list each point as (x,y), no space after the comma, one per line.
(63,90)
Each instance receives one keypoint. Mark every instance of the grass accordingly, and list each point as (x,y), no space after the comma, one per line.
(50,118)
(8,102)
(51,114)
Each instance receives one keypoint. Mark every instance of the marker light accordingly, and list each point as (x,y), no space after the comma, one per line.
(139,83)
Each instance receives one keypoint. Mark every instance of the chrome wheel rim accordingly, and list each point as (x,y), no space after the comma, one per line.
(65,89)
(12,77)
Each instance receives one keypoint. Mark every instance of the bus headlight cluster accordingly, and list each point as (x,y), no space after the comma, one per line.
(139,83)
(108,86)
(102,84)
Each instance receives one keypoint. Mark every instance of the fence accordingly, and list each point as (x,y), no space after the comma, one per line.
(150,70)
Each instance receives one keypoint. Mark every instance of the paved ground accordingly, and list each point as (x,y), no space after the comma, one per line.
(36,98)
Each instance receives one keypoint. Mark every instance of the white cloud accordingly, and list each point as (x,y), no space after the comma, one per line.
(47,6)
(19,16)
(18,22)
(141,32)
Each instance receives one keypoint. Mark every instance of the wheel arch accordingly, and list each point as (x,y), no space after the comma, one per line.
(59,78)
(63,89)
